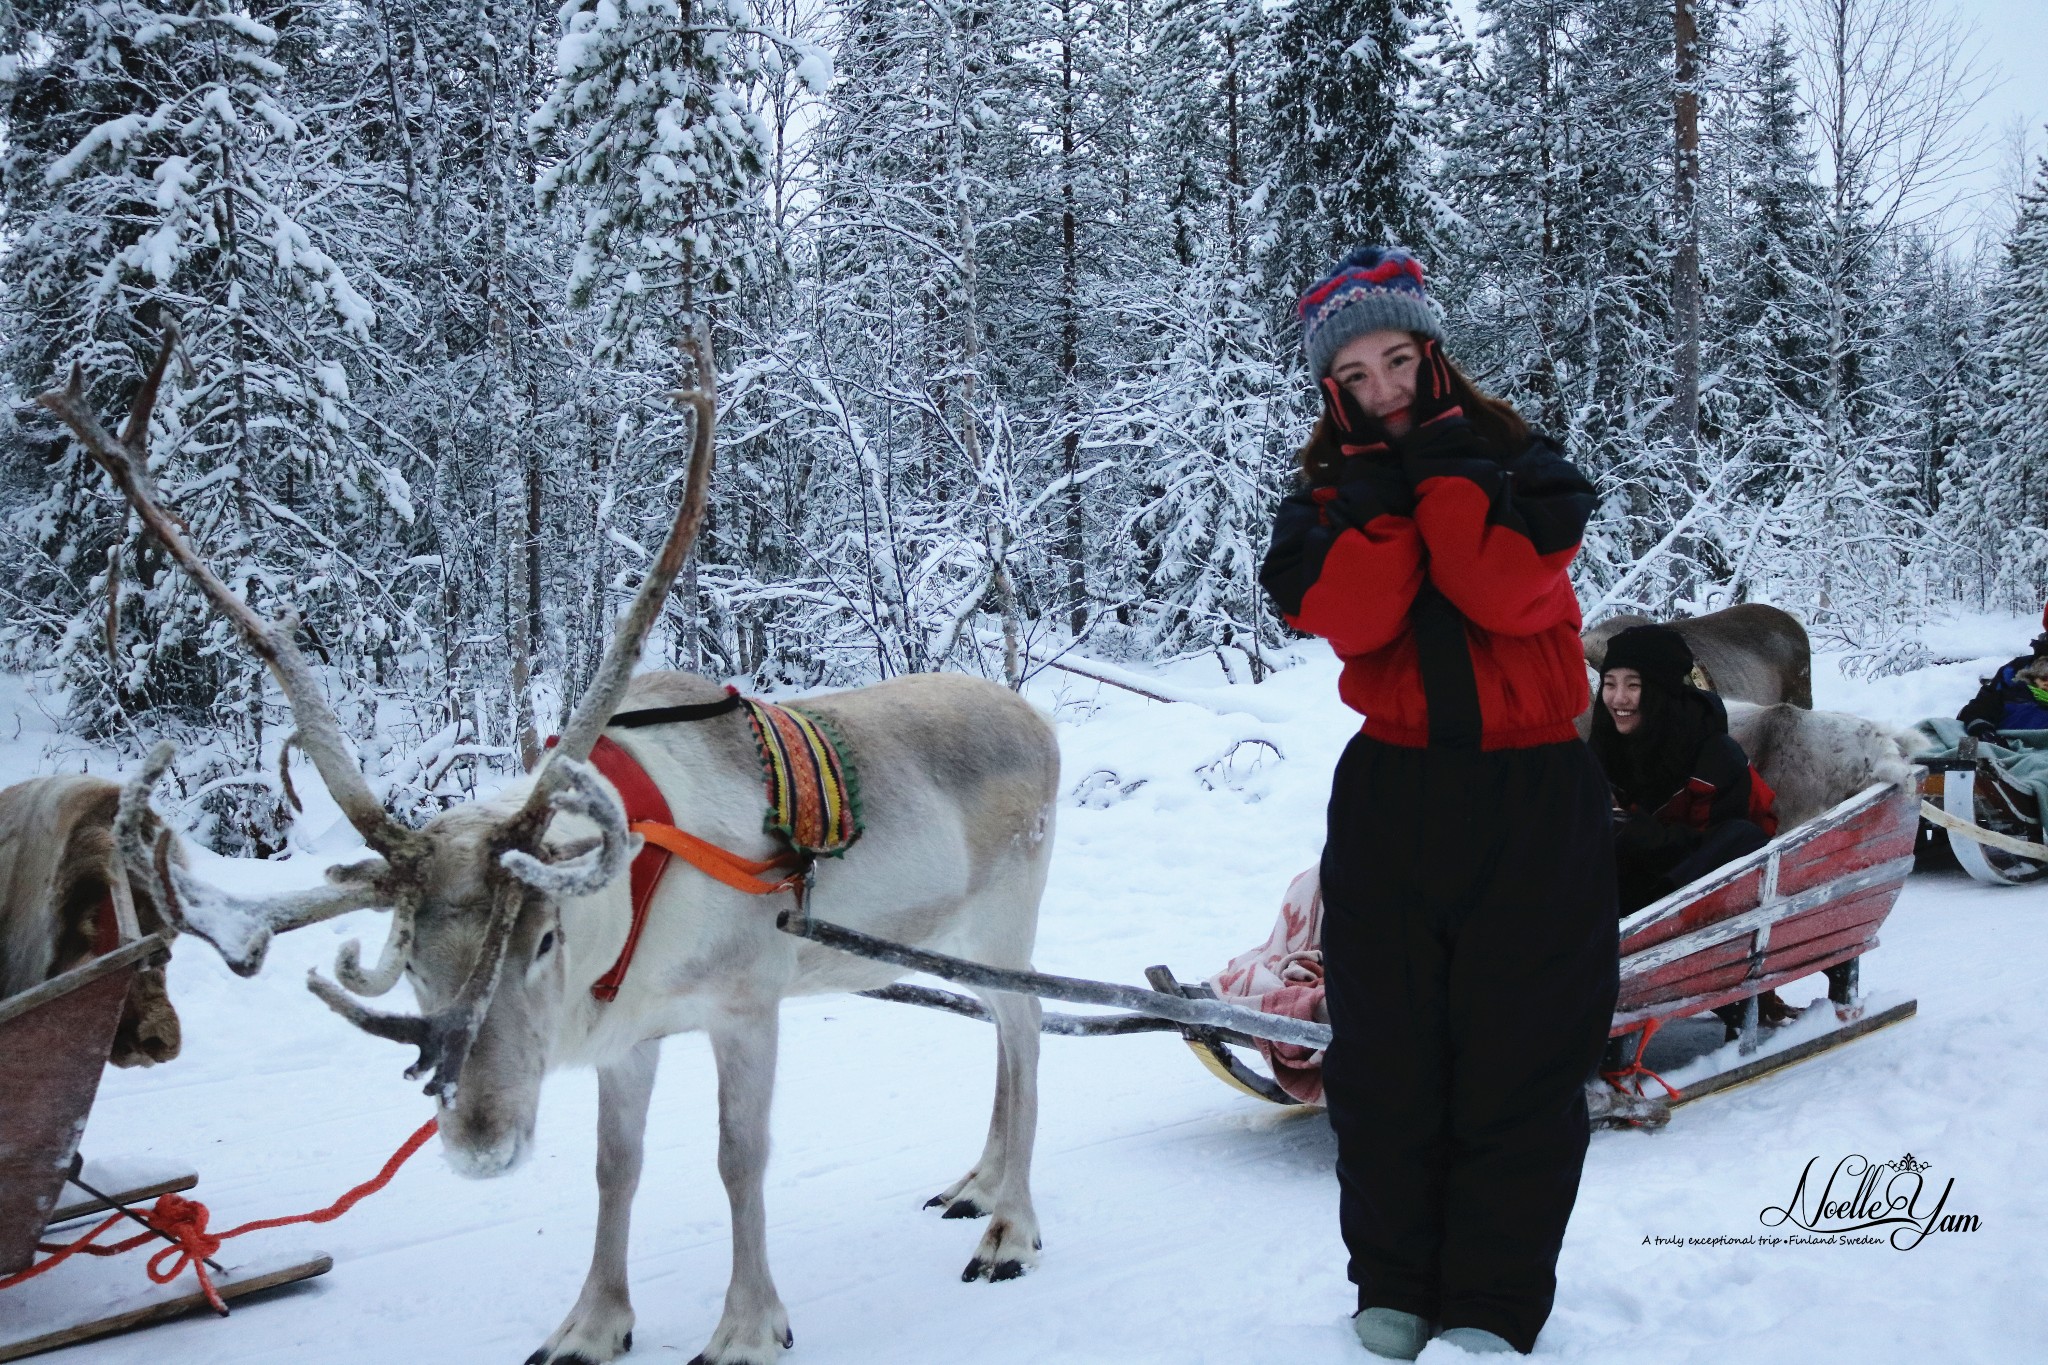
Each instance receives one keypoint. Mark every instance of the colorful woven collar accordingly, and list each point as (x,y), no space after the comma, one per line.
(813,794)
(813,784)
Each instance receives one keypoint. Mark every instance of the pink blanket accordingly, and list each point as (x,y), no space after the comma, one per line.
(1284,975)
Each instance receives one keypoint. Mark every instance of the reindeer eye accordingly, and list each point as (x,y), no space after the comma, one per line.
(547,941)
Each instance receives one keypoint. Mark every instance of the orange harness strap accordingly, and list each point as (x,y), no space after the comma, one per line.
(648,814)
(722,864)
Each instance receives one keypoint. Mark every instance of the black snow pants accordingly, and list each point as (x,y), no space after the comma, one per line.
(1469,947)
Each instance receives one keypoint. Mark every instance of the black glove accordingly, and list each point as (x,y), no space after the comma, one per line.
(1433,396)
(1356,428)
(1649,842)
(1980,728)
(1368,486)
(1448,446)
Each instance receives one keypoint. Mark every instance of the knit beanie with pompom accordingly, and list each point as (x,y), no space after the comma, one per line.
(1373,289)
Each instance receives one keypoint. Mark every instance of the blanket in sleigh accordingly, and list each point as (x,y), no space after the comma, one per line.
(2021,755)
(1284,975)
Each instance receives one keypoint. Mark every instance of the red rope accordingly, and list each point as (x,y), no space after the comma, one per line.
(1635,1070)
(184,1221)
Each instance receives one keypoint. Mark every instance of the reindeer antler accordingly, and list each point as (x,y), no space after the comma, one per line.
(319,733)
(587,869)
(240,927)
(444,1036)
(608,685)
(565,783)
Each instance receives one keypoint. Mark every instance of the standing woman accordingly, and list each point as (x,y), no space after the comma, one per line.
(1469,933)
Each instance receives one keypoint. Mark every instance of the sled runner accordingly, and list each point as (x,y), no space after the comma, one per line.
(54,1042)
(1810,901)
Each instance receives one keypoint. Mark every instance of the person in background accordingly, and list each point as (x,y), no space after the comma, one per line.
(1686,799)
(2013,698)
(1469,933)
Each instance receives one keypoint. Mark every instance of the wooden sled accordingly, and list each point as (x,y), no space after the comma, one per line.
(1993,828)
(1811,900)
(54,1042)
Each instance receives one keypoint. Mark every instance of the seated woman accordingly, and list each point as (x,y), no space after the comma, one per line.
(1686,799)
(2015,697)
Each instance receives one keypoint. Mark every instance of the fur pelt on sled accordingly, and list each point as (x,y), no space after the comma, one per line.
(1815,760)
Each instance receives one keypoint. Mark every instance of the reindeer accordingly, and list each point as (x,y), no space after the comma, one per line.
(59,887)
(1748,652)
(505,911)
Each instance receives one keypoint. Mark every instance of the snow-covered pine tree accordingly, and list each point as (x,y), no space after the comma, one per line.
(1357,128)
(481,407)
(654,145)
(1766,334)
(162,169)
(1205,411)
(1559,296)
(646,125)
(2010,513)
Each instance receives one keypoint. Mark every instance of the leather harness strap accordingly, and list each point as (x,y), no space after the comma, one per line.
(647,813)
(670,715)
(721,864)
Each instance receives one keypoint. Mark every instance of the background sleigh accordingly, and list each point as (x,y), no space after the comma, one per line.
(1812,900)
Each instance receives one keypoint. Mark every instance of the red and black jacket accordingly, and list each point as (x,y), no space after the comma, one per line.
(1670,814)
(1723,786)
(1438,574)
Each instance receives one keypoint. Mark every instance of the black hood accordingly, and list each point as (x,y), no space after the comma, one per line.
(1648,767)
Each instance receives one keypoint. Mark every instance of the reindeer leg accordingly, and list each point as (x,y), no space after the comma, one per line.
(755,1328)
(1010,1246)
(974,1194)
(600,1326)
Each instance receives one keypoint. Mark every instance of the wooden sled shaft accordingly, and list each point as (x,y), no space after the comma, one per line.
(2004,842)
(1067,1025)
(1212,1013)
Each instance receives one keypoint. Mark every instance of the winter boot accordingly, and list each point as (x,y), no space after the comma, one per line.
(1477,1341)
(1391,1334)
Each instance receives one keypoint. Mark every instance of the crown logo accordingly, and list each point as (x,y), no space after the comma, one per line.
(1909,1166)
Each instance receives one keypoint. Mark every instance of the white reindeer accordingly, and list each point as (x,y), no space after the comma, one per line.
(505,912)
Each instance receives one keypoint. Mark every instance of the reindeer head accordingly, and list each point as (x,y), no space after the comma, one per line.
(474,896)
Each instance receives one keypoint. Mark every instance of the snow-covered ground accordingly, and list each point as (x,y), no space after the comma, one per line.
(1183,1222)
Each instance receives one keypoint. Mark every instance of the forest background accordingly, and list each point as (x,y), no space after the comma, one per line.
(1001,292)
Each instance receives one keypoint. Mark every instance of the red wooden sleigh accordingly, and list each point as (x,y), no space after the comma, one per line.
(1810,901)
(54,1041)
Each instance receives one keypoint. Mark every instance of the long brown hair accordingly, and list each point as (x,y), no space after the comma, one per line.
(1498,425)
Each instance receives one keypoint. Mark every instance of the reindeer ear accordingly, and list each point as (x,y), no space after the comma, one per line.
(572,849)
(358,873)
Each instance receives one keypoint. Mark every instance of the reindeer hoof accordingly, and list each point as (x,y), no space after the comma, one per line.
(1007,1251)
(995,1272)
(964,1208)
